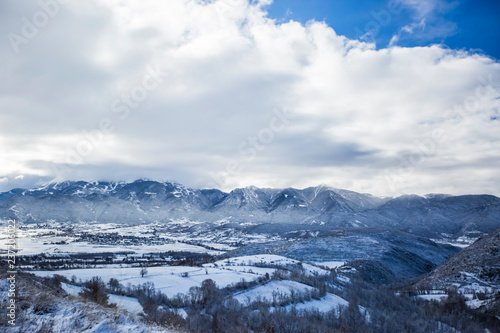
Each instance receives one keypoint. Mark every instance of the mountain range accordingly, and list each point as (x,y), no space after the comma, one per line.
(146,201)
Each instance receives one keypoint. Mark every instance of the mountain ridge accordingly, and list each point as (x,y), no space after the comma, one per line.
(435,216)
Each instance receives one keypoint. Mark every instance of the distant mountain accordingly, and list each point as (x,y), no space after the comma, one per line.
(145,201)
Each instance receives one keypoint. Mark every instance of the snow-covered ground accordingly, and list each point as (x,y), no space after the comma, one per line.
(257,259)
(474,284)
(433,297)
(331,264)
(36,239)
(467,291)
(270,259)
(170,280)
(129,304)
(271,291)
(73,315)
(246,269)
(44,244)
(462,242)
(222,247)
(327,303)
(71,289)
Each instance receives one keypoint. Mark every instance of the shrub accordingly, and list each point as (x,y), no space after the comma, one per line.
(95,291)
(42,304)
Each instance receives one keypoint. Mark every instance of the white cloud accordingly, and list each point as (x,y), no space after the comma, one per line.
(422,8)
(360,113)
(407,29)
(428,23)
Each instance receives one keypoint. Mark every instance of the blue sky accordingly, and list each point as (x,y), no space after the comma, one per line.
(463,24)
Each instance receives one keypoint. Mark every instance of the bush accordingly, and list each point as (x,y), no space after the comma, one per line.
(42,305)
(95,291)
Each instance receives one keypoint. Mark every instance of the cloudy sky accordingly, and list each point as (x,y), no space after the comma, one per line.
(385,97)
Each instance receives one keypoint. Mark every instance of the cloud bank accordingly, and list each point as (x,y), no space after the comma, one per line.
(217,94)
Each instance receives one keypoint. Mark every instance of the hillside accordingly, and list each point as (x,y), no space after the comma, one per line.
(471,277)
(44,306)
(476,265)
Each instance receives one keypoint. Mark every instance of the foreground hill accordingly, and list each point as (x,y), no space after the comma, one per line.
(474,272)
(43,306)
(476,265)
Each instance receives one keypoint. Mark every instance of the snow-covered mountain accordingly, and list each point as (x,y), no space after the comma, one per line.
(435,216)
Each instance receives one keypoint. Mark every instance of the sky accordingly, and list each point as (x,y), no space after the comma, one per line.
(383,97)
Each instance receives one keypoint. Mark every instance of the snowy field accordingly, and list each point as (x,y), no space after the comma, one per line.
(331,264)
(170,280)
(246,269)
(257,259)
(325,304)
(269,259)
(271,290)
(30,246)
(54,238)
